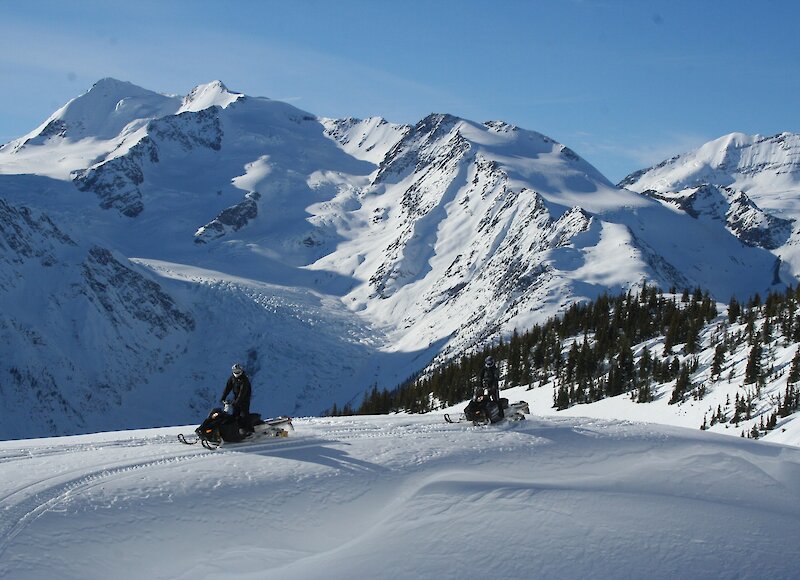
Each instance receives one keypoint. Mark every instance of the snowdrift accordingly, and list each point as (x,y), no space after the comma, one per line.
(403,497)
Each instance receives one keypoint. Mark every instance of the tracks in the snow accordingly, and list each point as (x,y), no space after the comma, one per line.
(21,506)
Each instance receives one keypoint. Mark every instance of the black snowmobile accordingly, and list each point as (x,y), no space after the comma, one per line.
(221,426)
(481,410)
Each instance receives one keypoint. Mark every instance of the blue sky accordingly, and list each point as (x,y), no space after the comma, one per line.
(624,83)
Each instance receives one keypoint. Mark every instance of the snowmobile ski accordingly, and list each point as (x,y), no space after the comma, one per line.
(461,417)
(182,438)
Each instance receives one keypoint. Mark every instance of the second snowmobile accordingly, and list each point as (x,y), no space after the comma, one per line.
(481,410)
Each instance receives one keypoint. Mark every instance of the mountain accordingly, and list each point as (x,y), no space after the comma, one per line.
(403,497)
(750,183)
(767,166)
(77,315)
(327,255)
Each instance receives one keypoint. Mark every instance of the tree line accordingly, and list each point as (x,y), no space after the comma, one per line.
(600,349)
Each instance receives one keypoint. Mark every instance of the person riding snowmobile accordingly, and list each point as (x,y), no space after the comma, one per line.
(239,384)
(490,382)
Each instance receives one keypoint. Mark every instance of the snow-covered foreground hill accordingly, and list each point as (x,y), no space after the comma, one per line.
(403,497)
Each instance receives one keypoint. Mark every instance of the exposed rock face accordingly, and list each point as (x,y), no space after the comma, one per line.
(741,216)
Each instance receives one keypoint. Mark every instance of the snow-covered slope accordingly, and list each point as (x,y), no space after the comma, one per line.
(85,129)
(406,498)
(767,166)
(327,255)
(79,316)
(749,183)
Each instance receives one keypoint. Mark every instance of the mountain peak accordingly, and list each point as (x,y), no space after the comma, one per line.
(746,162)
(208,95)
(110,83)
(101,113)
(107,93)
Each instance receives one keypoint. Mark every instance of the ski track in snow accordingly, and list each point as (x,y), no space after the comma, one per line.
(25,504)
(403,497)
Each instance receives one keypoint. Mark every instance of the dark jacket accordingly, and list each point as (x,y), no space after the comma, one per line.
(490,380)
(241,389)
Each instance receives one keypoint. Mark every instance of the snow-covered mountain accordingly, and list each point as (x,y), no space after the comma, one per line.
(75,319)
(326,255)
(749,183)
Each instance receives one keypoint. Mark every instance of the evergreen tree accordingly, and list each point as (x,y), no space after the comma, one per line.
(692,336)
(719,360)
(738,410)
(734,310)
(753,370)
(626,364)
(794,371)
(682,386)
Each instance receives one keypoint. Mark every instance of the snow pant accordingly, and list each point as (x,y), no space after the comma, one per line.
(242,414)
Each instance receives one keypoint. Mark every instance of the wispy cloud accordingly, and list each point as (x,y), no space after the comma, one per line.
(619,156)
(323,82)
(647,150)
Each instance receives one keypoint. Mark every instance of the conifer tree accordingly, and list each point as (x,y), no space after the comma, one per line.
(682,386)
(692,336)
(753,370)
(738,409)
(734,310)
(719,360)
(794,371)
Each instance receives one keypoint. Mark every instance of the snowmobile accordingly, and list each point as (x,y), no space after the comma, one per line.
(222,426)
(481,410)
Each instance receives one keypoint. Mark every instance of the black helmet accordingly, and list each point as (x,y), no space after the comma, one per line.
(237,370)
(489,361)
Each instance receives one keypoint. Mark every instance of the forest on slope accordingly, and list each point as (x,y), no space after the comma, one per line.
(645,345)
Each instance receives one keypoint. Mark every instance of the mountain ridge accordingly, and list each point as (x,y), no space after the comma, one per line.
(367,247)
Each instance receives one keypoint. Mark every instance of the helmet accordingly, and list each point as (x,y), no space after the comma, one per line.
(489,361)
(237,370)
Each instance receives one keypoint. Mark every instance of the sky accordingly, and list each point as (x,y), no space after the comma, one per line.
(625,84)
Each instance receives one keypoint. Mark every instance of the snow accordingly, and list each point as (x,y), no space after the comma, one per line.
(213,94)
(765,168)
(362,248)
(403,497)
(375,248)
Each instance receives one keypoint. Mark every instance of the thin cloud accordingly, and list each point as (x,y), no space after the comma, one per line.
(326,83)
(646,151)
